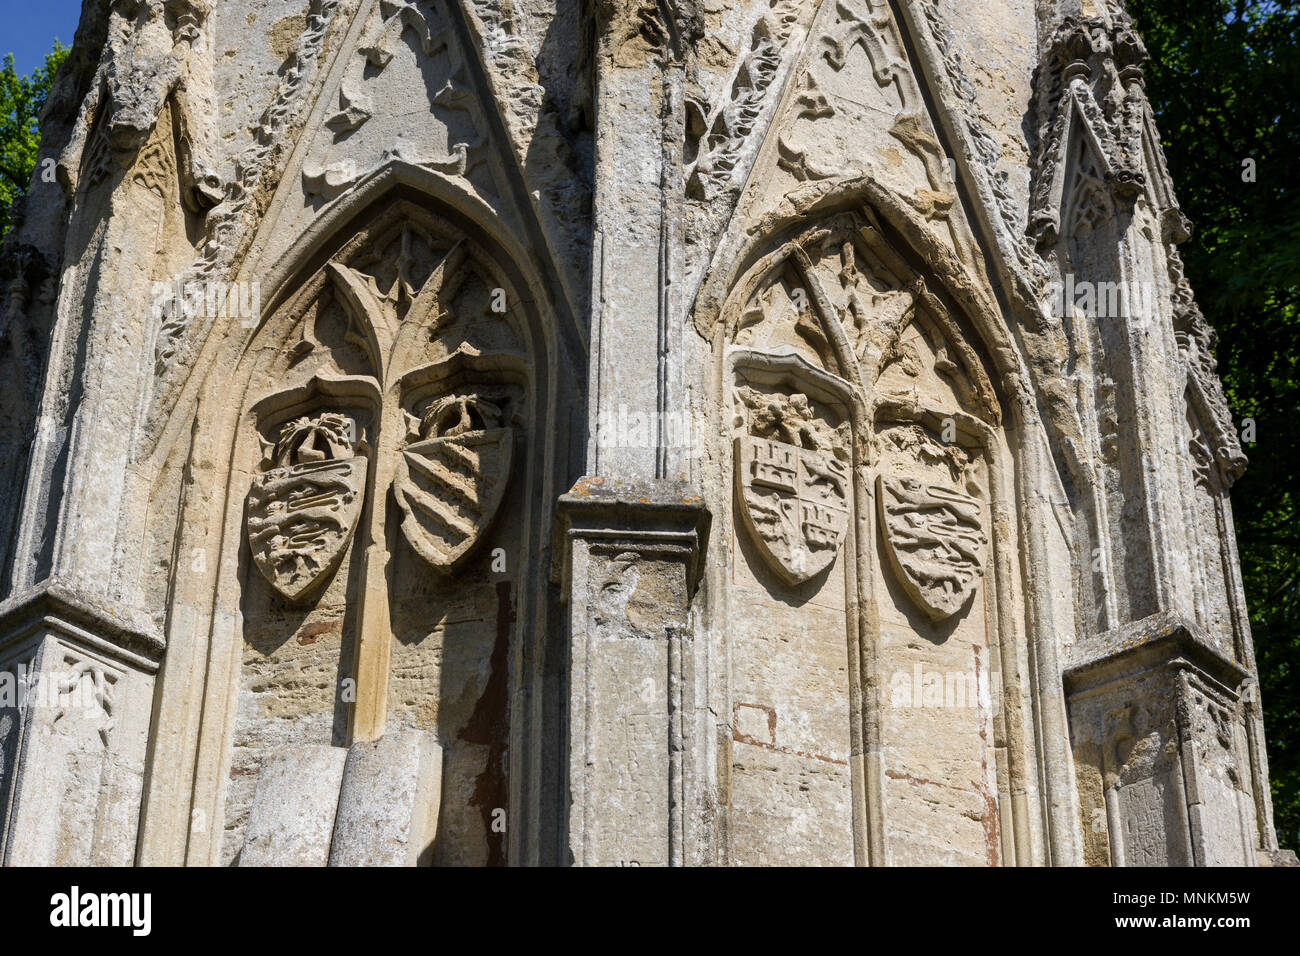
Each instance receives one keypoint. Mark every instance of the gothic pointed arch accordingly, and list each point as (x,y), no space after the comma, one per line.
(871,397)
(385,434)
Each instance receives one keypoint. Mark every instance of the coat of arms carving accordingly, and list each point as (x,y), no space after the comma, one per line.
(793,483)
(935,541)
(451,480)
(303,511)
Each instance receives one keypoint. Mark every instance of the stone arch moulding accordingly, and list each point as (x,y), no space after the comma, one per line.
(455,201)
(854,352)
(564,336)
(408,348)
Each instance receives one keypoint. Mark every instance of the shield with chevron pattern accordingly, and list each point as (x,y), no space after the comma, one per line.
(450,484)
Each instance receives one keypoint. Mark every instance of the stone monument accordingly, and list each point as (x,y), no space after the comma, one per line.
(615,432)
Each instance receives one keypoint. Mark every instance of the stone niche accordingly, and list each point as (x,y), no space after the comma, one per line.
(379,480)
(871,551)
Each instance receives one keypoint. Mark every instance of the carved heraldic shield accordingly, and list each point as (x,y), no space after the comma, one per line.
(795,503)
(935,542)
(450,482)
(302,513)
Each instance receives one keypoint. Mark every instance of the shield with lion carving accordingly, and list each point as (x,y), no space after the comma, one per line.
(302,511)
(935,541)
(300,519)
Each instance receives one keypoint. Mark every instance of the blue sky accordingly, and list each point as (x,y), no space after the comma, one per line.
(28,29)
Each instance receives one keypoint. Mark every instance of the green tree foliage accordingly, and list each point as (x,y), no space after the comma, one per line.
(21,101)
(1224,78)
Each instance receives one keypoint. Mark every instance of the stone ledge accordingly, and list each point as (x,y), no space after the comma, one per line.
(56,604)
(1277,858)
(646,511)
(1162,639)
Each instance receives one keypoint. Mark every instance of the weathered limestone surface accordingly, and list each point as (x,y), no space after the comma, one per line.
(710,432)
(292,817)
(388,802)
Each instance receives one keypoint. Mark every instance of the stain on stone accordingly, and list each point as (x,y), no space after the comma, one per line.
(915,781)
(310,633)
(285,33)
(489,726)
(989,823)
(989,820)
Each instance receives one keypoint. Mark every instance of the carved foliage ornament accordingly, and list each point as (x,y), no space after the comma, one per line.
(433,31)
